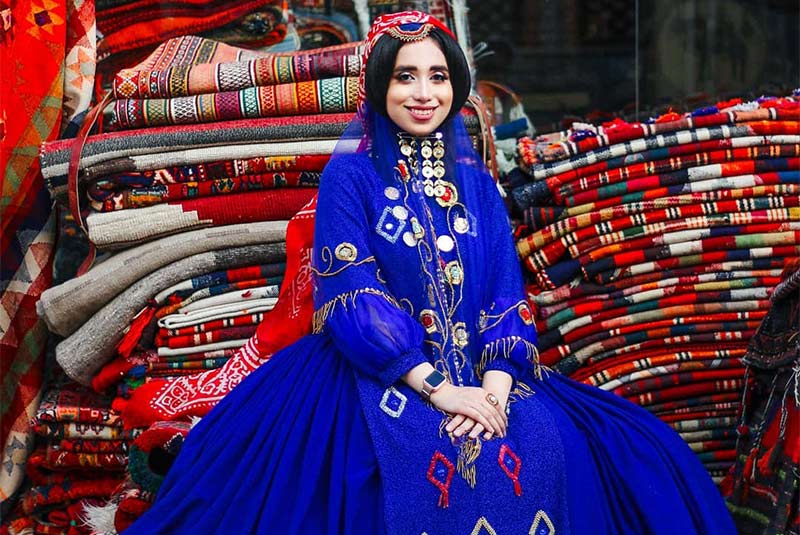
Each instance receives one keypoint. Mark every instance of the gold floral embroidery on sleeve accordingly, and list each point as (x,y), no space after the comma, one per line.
(344,252)
(487,321)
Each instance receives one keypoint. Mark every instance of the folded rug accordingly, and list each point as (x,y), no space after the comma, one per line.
(212,142)
(234,296)
(183,79)
(117,175)
(656,156)
(66,306)
(74,430)
(730,162)
(109,201)
(212,326)
(230,310)
(179,299)
(570,219)
(618,131)
(214,346)
(331,95)
(74,403)
(88,348)
(125,228)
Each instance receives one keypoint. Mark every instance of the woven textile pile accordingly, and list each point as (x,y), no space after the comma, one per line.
(128,30)
(188,208)
(653,248)
(80,458)
(199,207)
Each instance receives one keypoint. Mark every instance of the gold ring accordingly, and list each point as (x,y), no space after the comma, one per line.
(492,399)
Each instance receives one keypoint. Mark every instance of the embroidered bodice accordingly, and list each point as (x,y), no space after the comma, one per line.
(418,268)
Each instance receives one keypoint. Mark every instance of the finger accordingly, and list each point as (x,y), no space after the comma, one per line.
(493,416)
(476,413)
(500,414)
(454,422)
(497,410)
(465,427)
(477,429)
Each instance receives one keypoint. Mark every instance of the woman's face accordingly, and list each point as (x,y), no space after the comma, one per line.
(420,94)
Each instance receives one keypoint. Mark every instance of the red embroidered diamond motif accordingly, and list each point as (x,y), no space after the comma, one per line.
(441,475)
(511,465)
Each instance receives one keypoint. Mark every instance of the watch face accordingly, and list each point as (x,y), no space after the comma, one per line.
(434,379)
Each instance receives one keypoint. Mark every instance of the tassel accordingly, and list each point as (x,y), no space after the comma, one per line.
(100,518)
(134,333)
(468,453)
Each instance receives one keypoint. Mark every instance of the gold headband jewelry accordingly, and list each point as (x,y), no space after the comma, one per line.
(410,35)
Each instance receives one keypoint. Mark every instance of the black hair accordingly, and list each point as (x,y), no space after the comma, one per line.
(380,69)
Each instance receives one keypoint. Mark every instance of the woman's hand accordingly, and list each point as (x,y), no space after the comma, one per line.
(472,411)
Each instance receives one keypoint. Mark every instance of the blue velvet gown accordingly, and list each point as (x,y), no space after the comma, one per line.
(326,439)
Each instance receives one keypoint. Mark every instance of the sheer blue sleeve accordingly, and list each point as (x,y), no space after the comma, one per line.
(506,326)
(351,302)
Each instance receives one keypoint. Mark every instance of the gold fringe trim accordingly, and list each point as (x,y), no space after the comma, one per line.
(468,453)
(345,299)
(502,347)
(521,391)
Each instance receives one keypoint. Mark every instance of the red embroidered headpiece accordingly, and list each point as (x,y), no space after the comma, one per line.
(406,26)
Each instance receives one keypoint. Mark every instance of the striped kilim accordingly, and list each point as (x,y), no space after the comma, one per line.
(330,95)
(195,79)
(652,250)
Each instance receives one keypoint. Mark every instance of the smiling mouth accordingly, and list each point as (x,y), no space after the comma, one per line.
(421,114)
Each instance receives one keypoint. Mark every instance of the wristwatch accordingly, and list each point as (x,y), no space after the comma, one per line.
(431,384)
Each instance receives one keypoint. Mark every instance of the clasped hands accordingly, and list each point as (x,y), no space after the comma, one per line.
(474,410)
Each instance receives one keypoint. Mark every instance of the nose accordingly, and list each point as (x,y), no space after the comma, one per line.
(422,90)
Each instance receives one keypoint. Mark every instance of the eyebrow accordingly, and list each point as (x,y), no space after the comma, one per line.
(400,68)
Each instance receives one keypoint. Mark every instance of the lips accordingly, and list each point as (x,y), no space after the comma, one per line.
(421,114)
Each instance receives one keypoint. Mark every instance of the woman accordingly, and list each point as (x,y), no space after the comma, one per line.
(418,406)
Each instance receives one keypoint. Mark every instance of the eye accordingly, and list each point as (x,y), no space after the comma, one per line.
(439,77)
(404,77)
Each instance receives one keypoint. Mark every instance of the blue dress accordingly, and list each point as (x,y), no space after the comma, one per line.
(326,439)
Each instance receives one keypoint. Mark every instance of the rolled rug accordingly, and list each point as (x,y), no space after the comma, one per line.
(85,351)
(67,306)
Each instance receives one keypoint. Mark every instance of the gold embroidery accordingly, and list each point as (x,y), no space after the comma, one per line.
(487,321)
(460,335)
(482,527)
(346,252)
(454,273)
(428,320)
(345,300)
(503,347)
(540,517)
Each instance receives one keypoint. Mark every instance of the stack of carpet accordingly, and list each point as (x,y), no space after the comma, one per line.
(80,459)
(652,249)
(129,30)
(208,151)
(196,122)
